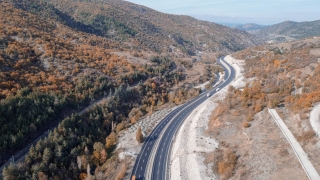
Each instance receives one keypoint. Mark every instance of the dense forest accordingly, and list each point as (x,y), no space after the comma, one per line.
(78,146)
(50,71)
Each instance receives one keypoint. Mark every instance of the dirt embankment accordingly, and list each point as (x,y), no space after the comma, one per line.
(191,162)
(187,161)
(262,150)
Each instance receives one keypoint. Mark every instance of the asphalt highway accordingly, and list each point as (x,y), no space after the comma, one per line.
(154,157)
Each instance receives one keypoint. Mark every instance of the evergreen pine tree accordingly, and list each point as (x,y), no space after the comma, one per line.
(46,156)
(10,172)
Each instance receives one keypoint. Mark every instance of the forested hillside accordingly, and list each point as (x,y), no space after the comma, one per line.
(59,57)
(139,27)
(50,71)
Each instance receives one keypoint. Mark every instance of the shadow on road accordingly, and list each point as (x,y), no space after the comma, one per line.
(152,138)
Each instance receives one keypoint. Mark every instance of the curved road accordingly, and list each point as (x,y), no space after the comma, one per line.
(154,157)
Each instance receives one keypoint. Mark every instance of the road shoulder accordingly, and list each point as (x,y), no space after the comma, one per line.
(188,162)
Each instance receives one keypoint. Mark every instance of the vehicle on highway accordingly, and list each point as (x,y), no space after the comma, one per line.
(208,95)
(217,89)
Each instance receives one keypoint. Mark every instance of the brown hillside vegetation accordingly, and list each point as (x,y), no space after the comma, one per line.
(139,27)
(39,54)
(283,69)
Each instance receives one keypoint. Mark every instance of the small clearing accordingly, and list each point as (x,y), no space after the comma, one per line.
(132,59)
(315,52)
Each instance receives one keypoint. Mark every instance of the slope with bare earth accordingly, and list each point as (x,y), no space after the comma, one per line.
(250,138)
(282,76)
(220,147)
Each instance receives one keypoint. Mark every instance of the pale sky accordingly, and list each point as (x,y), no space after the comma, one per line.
(264,12)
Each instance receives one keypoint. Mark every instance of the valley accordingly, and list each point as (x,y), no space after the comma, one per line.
(108,89)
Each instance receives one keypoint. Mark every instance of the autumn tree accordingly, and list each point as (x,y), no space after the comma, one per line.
(103,156)
(227,165)
(139,136)
(120,127)
(111,140)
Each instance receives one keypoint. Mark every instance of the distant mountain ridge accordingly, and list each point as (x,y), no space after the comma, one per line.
(290,30)
(281,32)
(250,27)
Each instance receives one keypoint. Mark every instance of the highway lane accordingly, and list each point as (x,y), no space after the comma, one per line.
(143,157)
(152,161)
(162,158)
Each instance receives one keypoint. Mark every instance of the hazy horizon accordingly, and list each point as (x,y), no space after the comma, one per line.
(233,11)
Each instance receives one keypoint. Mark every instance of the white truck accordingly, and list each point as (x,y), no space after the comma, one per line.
(208,95)
(217,89)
